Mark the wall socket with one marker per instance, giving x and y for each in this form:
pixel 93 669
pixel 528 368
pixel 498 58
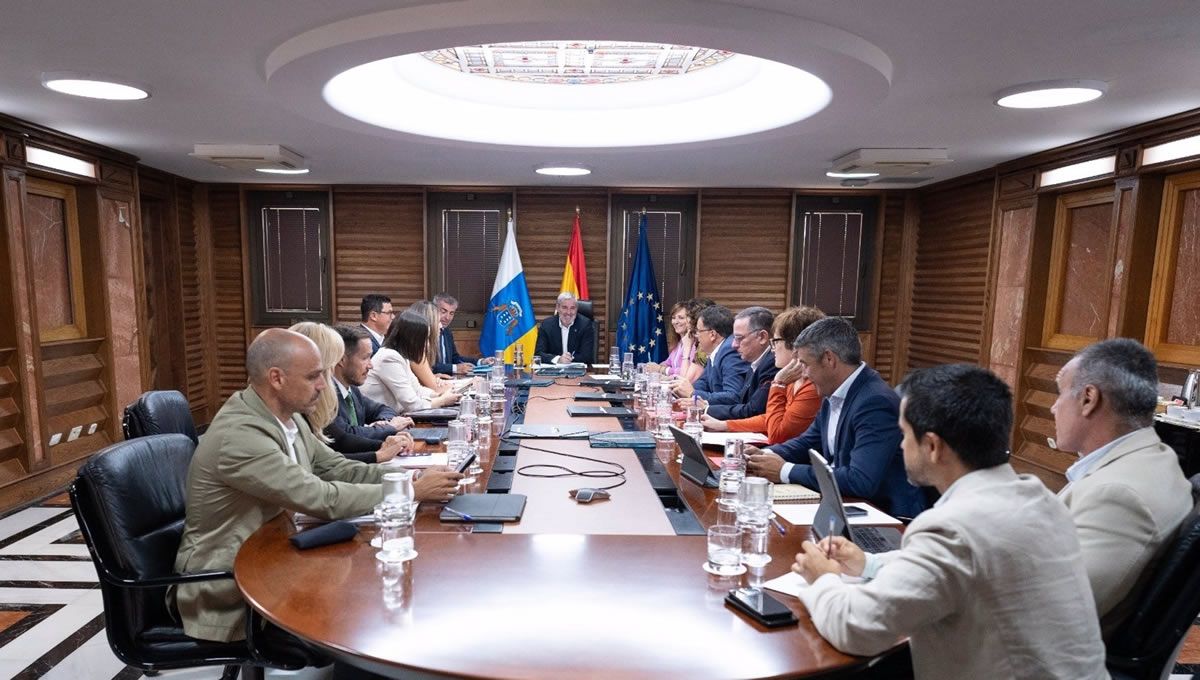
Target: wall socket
pixel 92 428
pixel 55 438
pixel 75 432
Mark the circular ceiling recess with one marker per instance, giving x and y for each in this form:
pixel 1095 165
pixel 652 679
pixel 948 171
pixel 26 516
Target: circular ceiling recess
pixel 577 93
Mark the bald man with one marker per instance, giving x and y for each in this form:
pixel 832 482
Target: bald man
pixel 258 457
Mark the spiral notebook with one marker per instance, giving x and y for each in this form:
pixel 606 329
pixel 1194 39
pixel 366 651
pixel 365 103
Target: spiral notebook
pixel 795 493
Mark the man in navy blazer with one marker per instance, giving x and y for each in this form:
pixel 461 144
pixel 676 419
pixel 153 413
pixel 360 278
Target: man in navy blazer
pixel 726 371
pixel 566 323
pixel 752 341
pixel 448 358
pixel 857 428
pixel 377 314
pixel 359 415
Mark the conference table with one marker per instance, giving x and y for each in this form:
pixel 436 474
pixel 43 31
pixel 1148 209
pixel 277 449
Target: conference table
pixel 600 590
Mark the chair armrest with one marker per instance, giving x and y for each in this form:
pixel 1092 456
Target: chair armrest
pixel 161 581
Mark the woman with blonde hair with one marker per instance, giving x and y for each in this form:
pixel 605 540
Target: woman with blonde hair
pixel 681 331
pixel 323 413
pixel 424 369
pixel 793 401
pixel 392 378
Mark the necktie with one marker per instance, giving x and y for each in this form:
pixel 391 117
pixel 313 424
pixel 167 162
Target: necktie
pixel 352 411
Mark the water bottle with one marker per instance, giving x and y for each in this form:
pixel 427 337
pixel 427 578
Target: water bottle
pixel 614 361
pixel 664 412
pixel 519 357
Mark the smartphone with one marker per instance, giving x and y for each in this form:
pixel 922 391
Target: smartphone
pixel 758 605
pixel 465 463
pixel 854 511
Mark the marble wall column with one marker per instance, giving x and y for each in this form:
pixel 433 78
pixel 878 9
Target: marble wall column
pixel 1011 290
pixel 121 253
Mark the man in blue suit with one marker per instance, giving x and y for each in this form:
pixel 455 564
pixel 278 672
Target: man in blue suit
pixel 857 428
pixel 359 415
pixel 377 315
pixel 726 371
pixel 752 341
pixel 448 358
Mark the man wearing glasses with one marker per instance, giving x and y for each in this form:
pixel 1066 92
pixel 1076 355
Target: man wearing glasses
pixel 377 315
pixel 752 341
pixel 726 371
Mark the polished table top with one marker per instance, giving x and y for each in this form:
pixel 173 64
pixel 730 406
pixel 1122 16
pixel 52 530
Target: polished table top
pixel 534 605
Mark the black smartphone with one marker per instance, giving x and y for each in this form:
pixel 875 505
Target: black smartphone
pixel 465 463
pixel 853 511
pixel 758 605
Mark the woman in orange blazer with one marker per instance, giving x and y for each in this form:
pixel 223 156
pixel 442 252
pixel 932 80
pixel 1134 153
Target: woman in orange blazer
pixel 793 402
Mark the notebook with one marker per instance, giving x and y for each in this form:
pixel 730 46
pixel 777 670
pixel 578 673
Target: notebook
pixel 795 493
pixel 434 414
pixel 484 507
pixel 420 461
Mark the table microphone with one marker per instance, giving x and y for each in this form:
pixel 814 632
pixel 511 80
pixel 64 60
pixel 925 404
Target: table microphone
pixel 588 494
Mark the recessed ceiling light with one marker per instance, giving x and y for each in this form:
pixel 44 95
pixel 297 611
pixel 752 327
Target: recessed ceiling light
pixel 283 171
pixel 92 86
pixel 1050 93
pixel 851 175
pixel 563 171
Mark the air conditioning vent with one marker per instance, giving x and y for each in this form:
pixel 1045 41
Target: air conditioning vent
pixel 250 156
pixel 890 162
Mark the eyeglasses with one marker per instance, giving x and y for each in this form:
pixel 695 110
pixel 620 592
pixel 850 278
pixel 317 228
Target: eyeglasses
pixel 705 330
pixel 775 341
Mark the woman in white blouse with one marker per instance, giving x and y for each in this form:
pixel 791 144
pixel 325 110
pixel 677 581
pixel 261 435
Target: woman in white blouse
pixel 391 379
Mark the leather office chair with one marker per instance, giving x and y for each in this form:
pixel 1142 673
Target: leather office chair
pixel 159 412
pixel 1146 644
pixel 585 309
pixel 130 501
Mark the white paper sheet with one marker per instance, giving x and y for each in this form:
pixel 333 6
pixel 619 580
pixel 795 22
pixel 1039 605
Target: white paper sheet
pixel 603 376
pixel 802 514
pixel 790 583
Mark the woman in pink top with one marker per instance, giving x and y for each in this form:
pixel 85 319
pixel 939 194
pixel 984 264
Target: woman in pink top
pixel 681 361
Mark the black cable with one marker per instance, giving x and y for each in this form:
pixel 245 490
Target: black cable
pixel 565 471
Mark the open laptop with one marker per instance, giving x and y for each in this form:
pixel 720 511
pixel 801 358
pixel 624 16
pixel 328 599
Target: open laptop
pixel 831 513
pixel 696 466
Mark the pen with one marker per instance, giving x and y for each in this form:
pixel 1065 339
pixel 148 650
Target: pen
pixel 463 515
pixel 829 537
pixel 778 525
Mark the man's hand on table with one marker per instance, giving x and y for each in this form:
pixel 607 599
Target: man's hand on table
pixel 761 463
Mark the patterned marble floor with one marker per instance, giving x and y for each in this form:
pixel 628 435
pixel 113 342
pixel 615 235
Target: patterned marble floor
pixel 52 618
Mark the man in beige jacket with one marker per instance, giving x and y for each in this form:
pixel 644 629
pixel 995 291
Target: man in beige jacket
pixel 258 457
pixel 1127 493
pixel 988 582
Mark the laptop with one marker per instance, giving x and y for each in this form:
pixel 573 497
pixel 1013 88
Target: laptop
pixel 831 513
pixel 696 466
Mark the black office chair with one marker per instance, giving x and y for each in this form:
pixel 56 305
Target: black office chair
pixel 585 309
pixel 130 501
pixel 159 412
pixel 1144 647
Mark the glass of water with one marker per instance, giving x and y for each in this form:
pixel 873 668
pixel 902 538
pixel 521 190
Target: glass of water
pixel 753 514
pixel 724 550
pixel 458 445
pixel 397 541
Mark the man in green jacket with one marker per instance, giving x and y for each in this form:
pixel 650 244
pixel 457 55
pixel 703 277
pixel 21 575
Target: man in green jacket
pixel 258 457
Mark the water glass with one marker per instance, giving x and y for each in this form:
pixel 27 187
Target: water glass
pixel 457 445
pixel 753 516
pixel 627 366
pixel 396 532
pixel 693 424
pixel 519 357
pixel 724 550
pixel 483 410
pixel 466 405
pixel 614 361
pixel 398 487
pixel 663 412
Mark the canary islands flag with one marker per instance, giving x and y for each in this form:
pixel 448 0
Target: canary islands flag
pixel 509 320
pixel 640 329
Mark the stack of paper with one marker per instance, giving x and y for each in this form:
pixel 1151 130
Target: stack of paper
pixel 719 438
pixel 802 514
pixel 420 461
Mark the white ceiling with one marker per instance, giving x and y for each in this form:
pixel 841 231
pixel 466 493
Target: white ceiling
pixel 904 74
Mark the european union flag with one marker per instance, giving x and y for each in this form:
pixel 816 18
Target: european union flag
pixel 641 328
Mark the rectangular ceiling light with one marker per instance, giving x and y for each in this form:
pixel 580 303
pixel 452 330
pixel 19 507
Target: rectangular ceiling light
pixel 1171 151
pixel 61 162
pixel 1077 171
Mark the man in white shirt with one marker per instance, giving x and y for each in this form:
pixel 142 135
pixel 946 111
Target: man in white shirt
pixel 989 582
pixel 377 315
pixel 567 336
pixel 1127 493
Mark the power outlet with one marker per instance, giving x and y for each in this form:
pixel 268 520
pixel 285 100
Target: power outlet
pixel 55 438
pixel 92 428
pixel 75 432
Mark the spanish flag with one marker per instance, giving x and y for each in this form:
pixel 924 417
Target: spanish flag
pixel 574 278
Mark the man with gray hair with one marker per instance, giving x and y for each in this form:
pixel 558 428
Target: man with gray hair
pixel 257 458
pixel 448 359
pixel 566 337
pixel 752 341
pixel 1127 493
pixel 857 428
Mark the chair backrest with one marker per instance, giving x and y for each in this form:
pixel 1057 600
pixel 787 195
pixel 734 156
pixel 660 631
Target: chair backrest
pixel 159 412
pixel 1147 642
pixel 585 308
pixel 130 502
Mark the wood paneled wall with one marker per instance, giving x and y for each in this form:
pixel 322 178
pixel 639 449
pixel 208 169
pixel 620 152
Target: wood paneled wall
pixel 951 282
pixel 897 245
pixel 230 318
pixel 744 247
pixel 378 247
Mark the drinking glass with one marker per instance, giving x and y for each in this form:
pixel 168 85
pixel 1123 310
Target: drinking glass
pixel 663 412
pixel 693 424
pixel 483 410
pixel 398 486
pixel 627 366
pixel 457 446
pixel 396 532
pixel 724 550
pixel 614 361
pixel 753 515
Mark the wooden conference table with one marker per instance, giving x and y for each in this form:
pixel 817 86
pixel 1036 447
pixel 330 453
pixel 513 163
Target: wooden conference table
pixel 602 590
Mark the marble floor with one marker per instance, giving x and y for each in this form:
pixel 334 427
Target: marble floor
pixel 52 618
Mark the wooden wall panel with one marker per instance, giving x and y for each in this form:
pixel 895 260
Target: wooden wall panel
pixel 743 249
pixel 229 303
pixel 544 221
pixel 1031 451
pixel 195 294
pixel 378 247
pixel 951 275
pixel 891 295
pixel 12 425
pixel 74 378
